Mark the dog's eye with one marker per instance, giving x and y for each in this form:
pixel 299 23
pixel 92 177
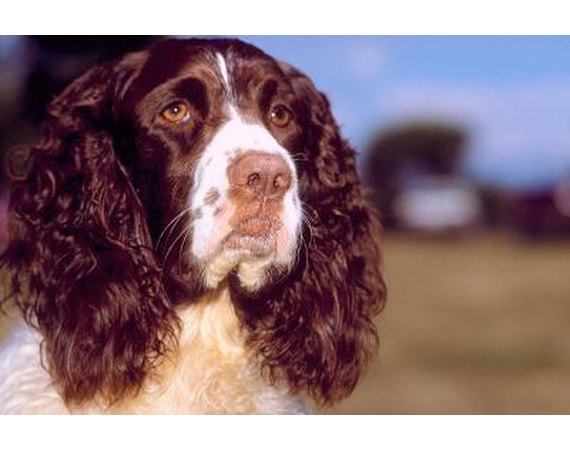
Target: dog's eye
pixel 176 112
pixel 280 116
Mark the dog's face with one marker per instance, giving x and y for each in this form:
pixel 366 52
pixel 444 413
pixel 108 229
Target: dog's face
pixel 214 132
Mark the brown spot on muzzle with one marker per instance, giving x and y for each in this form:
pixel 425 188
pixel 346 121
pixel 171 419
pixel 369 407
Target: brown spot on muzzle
pixel 211 196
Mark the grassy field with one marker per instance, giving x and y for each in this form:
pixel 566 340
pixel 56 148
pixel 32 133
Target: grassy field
pixel 478 324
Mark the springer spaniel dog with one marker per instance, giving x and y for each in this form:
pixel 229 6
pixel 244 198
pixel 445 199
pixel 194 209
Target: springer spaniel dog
pixel 189 235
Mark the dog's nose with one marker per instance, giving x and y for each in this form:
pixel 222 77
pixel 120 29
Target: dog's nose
pixel 260 175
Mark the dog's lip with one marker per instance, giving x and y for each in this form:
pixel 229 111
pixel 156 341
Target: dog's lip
pixel 256 235
pixel 258 226
pixel 253 245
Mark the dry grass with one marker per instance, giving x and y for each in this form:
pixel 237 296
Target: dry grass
pixel 473 325
pixel 479 324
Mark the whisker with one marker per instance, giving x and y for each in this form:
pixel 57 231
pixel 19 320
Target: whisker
pixel 306 209
pixel 171 226
pixel 309 209
pixel 305 219
pixel 182 233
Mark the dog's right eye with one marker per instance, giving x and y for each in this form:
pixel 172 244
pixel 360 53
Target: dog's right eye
pixel 176 112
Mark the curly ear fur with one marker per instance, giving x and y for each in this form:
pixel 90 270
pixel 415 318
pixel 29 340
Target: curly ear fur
pixel 83 270
pixel 315 328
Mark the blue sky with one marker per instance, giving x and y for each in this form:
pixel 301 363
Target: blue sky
pixel 512 94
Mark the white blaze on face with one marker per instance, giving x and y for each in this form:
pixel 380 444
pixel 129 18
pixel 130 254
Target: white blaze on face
pixel 223 68
pixel 209 198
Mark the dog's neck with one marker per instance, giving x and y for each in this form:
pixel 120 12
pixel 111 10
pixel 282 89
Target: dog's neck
pixel 212 370
pixel 212 325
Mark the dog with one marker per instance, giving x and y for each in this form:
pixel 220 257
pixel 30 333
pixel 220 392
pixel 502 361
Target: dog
pixel 190 235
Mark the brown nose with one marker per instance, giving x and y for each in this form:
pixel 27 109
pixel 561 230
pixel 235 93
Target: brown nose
pixel 260 175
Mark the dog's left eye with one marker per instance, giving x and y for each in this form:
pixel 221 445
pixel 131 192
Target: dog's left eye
pixel 280 116
pixel 176 112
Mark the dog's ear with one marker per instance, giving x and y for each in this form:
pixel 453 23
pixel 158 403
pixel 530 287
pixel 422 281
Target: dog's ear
pixel 315 327
pixel 80 254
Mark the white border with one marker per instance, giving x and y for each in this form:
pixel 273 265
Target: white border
pixel 236 17
pixel 286 432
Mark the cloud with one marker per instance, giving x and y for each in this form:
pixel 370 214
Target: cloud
pixel 365 59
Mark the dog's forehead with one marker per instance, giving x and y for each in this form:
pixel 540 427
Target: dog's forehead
pixel 219 63
pixel 165 63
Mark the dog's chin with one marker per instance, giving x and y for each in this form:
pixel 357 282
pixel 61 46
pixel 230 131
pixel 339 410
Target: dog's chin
pixel 250 250
pixel 253 238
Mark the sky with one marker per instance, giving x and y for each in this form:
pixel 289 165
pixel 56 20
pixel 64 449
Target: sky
pixel 511 94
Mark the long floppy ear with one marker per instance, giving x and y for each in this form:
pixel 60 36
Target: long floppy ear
pixel 315 328
pixel 83 268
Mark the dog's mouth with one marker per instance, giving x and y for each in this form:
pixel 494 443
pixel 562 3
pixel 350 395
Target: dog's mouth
pixel 256 236
pixel 251 247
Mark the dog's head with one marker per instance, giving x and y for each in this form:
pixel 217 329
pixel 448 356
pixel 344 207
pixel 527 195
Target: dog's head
pixel 195 165
pixel 210 133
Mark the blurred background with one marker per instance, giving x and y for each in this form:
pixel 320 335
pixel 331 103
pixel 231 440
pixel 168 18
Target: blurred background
pixel 465 144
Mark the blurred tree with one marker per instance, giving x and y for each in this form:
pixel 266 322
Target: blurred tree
pixel 397 155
